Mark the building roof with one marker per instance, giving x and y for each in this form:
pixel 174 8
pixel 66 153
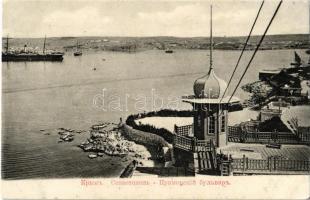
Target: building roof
pixel 195 100
pixel 209 86
pixel 270 71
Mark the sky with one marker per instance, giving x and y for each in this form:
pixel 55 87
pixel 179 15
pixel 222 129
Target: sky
pixel 57 18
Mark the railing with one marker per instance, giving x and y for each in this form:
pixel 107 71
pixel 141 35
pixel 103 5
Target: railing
pixel 183 142
pixel 214 154
pixel 275 111
pixel 194 145
pixel 236 134
pixel 304 134
pixel 183 130
pixel 225 168
pixel 305 137
pixel 202 145
pixel 271 164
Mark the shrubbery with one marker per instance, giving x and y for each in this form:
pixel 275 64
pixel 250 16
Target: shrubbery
pixel 166 134
pixel 275 123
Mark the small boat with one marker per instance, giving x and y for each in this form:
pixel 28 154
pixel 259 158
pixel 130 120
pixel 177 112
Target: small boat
pixel 78 51
pixel 91 156
pixel 168 51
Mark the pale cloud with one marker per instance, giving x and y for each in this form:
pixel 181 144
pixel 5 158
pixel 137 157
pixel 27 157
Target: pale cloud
pixel 37 18
pixel 229 19
pixel 187 20
pixel 87 21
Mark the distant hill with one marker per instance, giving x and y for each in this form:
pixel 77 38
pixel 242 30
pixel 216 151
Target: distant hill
pixel 296 41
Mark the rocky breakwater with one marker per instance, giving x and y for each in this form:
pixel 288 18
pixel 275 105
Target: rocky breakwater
pixel 105 138
pixel 67 134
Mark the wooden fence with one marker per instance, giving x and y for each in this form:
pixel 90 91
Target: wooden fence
pixel 183 130
pixel 270 165
pixel 236 134
pixel 183 142
pixel 192 144
pixel 304 133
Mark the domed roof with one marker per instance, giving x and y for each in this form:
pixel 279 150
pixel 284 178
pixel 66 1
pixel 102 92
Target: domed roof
pixel 209 86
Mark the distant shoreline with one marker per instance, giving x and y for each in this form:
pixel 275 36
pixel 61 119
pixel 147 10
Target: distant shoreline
pixel 137 44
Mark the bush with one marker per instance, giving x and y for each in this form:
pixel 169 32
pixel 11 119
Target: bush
pixel 272 124
pixel 164 133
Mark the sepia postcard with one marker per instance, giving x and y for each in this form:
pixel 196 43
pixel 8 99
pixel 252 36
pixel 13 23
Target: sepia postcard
pixel 138 99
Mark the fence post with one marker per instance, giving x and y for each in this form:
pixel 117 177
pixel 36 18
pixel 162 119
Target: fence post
pixel 175 129
pixel 243 161
pixel 276 136
pixel 194 144
pixel 221 168
pixel 230 165
pixel 269 163
pixel 210 146
pixel 275 163
pixel 173 139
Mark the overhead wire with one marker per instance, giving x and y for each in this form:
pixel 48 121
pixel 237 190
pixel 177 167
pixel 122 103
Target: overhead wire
pixel 256 49
pixel 245 45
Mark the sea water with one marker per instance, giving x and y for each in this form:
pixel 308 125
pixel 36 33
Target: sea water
pixel 97 87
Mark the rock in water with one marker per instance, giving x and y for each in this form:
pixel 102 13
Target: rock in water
pixel 91 156
pixel 100 154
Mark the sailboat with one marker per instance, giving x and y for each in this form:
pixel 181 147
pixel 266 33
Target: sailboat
pixel 167 50
pixel 78 51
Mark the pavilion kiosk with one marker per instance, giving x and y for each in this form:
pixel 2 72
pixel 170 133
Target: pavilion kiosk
pixel 210 109
pixel 197 150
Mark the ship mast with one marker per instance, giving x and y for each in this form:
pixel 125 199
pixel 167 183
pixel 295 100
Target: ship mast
pixel 7 44
pixel 44 44
pixel 211 39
